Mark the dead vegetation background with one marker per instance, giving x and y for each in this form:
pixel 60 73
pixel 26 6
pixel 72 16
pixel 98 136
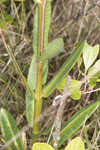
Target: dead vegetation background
pixel 74 21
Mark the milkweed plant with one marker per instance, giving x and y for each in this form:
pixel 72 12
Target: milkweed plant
pixel 37 87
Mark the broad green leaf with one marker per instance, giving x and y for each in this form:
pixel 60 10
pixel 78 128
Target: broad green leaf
pixel 90 54
pixel 9 130
pixel 41 146
pixel 75 144
pixel 35 32
pixel 31 81
pixel 76 94
pixel 54 48
pixel 94 74
pixel 71 126
pixel 66 67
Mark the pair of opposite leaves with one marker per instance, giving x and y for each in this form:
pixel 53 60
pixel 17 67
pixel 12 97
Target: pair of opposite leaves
pixel 75 144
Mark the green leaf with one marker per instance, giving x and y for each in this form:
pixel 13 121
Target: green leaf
pixel 31 81
pixel 35 32
pixel 47 21
pixel 94 80
pixel 89 55
pixel 66 67
pixel 71 126
pixel 75 144
pixel 41 146
pixel 94 69
pixel 32 73
pixel 45 72
pixel 29 108
pixel 94 73
pixel 76 94
pixel 54 48
pixel 10 130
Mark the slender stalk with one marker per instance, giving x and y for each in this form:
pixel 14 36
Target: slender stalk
pixel 38 101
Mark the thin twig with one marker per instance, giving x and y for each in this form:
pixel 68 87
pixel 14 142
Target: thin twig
pixel 59 116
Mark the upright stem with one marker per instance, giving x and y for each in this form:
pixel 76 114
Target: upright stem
pixel 38 101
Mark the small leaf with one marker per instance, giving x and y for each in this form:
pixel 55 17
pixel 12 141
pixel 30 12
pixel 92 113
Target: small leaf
pixel 9 130
pixel 75 144
pixel 92 82
pixel 71 126
pixel 94 74
pixel 41 146
pixel 31 81
pixel 54 48
pixel 74 84
pixel 66 67
pixel 76 94
pixel 89 55
pixel 94 79
pixel 94 69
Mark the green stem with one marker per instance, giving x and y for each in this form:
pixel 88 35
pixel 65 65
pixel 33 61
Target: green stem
pixel 38 100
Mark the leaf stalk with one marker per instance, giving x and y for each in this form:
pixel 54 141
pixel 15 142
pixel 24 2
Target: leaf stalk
pixel 38 100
